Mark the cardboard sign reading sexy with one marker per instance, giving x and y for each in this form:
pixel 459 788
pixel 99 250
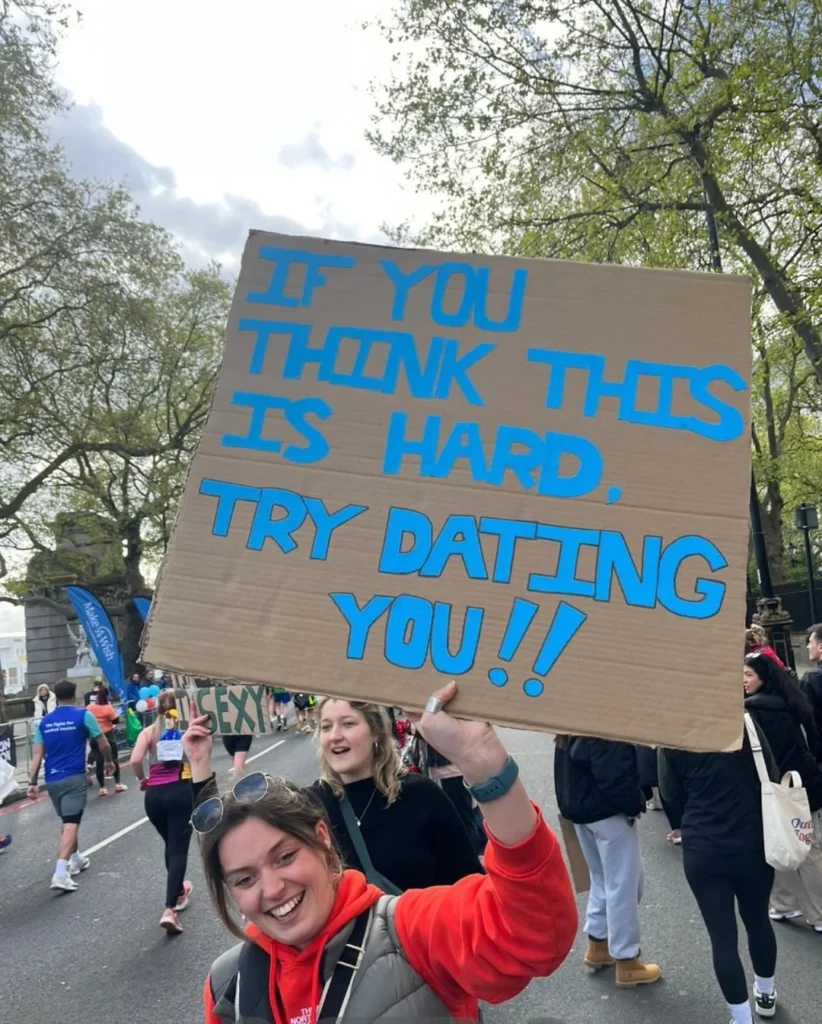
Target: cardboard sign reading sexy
pixel 232 710
pixel 529 476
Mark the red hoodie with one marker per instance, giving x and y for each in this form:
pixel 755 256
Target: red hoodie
pixel 485 937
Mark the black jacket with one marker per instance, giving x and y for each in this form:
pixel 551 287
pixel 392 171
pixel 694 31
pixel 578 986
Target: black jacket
pixel 718 797
pixel 811 686
pixel 646 759
pixel 597 779
pixel 787 741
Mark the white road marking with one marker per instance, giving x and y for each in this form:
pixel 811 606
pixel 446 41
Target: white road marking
pixel 273 746
pixel 136 824
pixel 117 835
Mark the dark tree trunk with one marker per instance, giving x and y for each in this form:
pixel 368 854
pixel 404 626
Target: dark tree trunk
pixel 772 527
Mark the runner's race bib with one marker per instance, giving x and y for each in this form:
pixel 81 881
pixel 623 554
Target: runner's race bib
pixel 170 749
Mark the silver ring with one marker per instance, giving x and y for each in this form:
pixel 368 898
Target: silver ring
pixel 433 705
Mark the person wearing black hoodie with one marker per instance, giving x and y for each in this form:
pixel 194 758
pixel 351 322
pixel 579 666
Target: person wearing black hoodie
pixel 786 718
pixel 597 788
pixel 718 798
pixel 811 684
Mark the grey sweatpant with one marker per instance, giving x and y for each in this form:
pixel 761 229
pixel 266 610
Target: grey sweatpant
pixel 612 853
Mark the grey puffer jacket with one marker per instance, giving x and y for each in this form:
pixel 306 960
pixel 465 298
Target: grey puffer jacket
pixel 386 987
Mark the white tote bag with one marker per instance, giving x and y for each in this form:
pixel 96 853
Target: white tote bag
pixel 7 782
pixel 786 815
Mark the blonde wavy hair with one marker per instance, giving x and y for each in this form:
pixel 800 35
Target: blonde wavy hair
pixel 388 767
pixel 755 636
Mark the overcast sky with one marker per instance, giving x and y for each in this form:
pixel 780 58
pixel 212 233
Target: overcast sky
pixel 225 117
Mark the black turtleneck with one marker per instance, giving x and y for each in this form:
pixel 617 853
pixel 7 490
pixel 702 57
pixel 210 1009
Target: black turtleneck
pixel 417 842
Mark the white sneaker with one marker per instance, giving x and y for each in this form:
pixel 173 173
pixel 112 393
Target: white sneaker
pixel 121 787
pixel 765 1006
pixel 78 863
pixel 182 902
pixel 787 915
pixel 64 882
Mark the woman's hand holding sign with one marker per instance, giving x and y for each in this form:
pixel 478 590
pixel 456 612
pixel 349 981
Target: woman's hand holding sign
pixel 476 749
pixel 197 744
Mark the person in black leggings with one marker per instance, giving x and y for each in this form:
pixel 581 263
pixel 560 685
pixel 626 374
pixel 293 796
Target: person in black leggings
pixel 719 799
pixel 237 747
pixel 168 808
pixel 169 802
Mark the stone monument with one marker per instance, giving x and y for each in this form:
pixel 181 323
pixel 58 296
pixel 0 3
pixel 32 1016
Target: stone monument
pixel 86 667
pixel 56 643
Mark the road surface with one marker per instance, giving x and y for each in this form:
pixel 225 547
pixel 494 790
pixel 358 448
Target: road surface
pixel 99 954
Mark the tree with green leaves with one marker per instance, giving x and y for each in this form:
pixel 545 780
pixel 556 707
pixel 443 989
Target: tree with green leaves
pixel 109 347
pixel 70 252
pixel 164 360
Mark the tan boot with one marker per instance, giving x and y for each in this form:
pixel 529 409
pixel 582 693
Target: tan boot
pixel 630 973
pixel 597 955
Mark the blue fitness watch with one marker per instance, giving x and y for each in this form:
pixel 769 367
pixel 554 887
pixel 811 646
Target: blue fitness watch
pixel 497 786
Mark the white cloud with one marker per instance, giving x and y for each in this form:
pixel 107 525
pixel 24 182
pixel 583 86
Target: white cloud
pixel 256 110
pixel 311 151
pixel 207 230
pixel 12 619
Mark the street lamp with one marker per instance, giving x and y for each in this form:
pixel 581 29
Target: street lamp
pixel 807 519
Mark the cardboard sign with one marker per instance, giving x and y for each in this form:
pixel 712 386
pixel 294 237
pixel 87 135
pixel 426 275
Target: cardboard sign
pixel 577 865
pixel 531 476
pixel 233 710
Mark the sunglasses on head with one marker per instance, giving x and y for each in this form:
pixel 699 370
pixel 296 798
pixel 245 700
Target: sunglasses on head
pixel 248 790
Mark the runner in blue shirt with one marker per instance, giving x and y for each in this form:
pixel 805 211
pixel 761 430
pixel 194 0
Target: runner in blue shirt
pixel 61 736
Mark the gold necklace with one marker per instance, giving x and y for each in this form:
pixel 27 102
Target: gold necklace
pixel 359 820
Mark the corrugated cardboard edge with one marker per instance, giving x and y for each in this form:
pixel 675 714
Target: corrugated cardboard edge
pixel 580 875
pixel 315 240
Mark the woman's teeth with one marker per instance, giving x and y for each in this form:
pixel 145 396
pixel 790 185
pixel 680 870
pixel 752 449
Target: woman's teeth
pixel 285 909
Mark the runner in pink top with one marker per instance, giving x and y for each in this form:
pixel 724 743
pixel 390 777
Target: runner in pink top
pixel 168 801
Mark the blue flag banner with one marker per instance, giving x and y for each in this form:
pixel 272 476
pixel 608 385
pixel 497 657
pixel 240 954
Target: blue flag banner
pixel 101 636
pixel 142 604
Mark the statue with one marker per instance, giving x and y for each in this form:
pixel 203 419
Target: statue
pixel 83 652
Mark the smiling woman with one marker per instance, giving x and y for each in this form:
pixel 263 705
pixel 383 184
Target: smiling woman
pixel 283 835
pixel 321 942
pixel 412 833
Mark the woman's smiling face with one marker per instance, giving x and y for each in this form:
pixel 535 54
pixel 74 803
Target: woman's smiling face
pixel 346 741
pixel 278 883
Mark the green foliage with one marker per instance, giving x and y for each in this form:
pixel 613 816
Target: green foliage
pixel 109 347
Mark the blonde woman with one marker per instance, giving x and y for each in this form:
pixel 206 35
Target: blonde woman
pixel 44 703
pixel 169 801
pixel 412 833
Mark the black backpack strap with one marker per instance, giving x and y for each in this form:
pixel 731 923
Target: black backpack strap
pixel 372 875
pixel 338 990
